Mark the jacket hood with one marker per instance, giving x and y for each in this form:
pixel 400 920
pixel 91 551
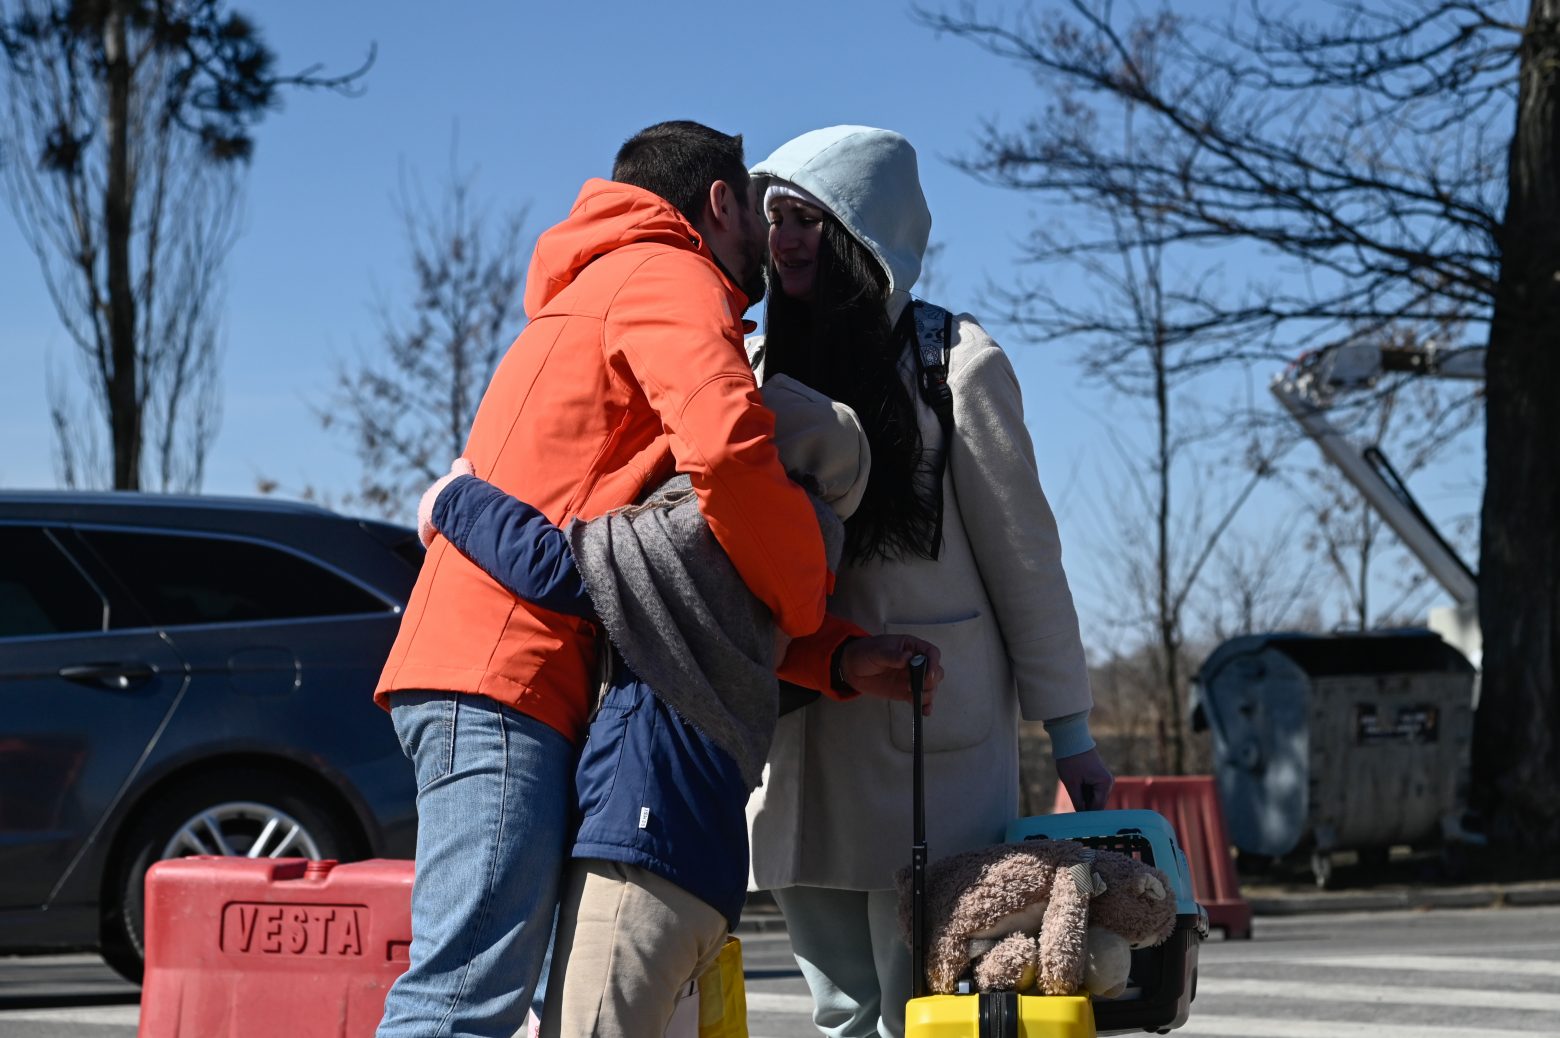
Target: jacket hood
pixel 606 215
pixel 822 439
pixel 869 180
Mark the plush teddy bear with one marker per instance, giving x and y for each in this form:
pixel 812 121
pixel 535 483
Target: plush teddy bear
pixel 1048 914
pixel 1107 962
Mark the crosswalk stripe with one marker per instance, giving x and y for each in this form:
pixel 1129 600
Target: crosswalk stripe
pixel 1441 963
pixel 777 1002
pixel 92 1015
pixel 1379 994
pixel 1212 1026
pixel 1375 994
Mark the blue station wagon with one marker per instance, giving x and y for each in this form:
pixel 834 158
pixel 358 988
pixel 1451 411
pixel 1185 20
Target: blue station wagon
pixel 187 675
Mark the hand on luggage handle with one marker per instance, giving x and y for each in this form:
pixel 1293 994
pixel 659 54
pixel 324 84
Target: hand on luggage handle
pixel 876 666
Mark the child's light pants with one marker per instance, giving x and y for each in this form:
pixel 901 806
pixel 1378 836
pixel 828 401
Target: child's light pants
pixel 628 941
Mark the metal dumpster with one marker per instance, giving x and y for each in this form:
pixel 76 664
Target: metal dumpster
pixel 1338 742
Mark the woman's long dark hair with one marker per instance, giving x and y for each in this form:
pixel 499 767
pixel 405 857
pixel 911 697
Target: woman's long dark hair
pixel 842 345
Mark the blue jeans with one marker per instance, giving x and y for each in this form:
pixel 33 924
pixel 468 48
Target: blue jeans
pixel 494 789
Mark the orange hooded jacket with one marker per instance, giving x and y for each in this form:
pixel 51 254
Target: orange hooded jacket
pixel 632 366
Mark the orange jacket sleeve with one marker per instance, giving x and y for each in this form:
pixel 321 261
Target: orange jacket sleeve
pixel 807 659
pixel 671 322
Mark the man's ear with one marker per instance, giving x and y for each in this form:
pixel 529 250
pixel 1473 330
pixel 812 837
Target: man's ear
pixel 720 210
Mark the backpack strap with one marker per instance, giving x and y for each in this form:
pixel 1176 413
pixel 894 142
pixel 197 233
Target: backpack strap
pixel 933 330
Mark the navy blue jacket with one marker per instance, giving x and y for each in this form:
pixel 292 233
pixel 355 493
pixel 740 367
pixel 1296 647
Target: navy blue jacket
pixel 653 790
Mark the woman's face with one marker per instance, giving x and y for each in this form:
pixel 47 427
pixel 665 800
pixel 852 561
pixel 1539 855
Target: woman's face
pixel 795 229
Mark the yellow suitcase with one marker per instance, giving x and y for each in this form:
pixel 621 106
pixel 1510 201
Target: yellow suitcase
pixel 998 1014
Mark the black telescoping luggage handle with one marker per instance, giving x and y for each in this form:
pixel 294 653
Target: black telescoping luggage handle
pixel 918 840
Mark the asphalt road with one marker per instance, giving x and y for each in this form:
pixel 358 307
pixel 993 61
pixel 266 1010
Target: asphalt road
pixel 1489 973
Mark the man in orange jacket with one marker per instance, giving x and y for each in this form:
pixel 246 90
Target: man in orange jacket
pixel 631 367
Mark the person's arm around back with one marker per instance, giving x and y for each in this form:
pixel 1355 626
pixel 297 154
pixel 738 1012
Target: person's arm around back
pixel 508 539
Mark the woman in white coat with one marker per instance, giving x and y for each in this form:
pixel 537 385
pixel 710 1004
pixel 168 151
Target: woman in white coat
pixel 831 824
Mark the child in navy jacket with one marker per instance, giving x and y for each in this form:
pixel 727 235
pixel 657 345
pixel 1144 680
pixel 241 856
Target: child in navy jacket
pixel 660 862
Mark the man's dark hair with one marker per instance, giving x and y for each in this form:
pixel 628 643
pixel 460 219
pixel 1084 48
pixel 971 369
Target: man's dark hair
pixel 679 160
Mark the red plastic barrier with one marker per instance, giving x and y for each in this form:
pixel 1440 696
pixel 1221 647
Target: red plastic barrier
pixel 1191 803
pixel 259 948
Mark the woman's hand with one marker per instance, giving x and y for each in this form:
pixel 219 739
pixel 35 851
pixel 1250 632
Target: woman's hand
pixel 1087 779
pixel 425 527
pixel 879 666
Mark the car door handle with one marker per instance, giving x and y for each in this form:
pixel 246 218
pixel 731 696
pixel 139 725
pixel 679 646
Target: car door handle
pixel 116 676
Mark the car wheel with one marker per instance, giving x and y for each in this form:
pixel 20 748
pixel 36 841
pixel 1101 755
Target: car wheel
pixel 249 813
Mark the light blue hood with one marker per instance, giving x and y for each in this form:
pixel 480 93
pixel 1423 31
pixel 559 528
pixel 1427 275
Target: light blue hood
pixel 868 178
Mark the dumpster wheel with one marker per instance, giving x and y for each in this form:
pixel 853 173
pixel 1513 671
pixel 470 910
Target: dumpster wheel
pixel 1322 868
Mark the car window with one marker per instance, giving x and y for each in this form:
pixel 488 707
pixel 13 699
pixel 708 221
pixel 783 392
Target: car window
pixel 401 540
pixel 41 591
pixel 180 579
pixel 410 551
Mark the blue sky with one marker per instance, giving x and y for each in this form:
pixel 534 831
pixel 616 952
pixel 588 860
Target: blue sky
pixel 542 95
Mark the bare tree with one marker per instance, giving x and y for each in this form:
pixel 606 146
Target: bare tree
pixel 1163 529
pixel 126 126
pixel 1345 533
pixel 408 406
pixel 178 301
pixel 1403 160
pixel 1258 584
pixel 1142 333
pixel 1516 751
pixel 1368 152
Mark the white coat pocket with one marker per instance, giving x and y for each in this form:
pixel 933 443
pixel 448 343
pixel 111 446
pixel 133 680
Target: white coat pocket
pixel 963 708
